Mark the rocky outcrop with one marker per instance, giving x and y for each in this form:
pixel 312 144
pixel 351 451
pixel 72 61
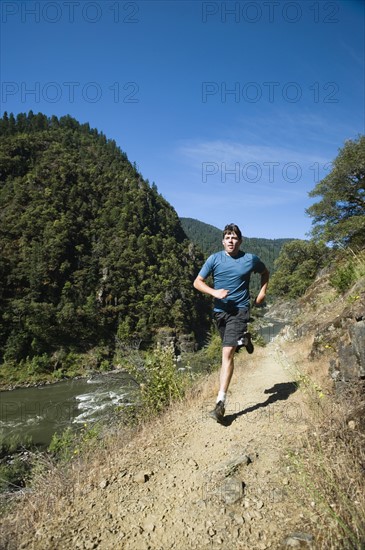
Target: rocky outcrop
pixel 337 325
pixel 186 343
pixel 182 342
pixel 283 311
pixel 350 361
pixel 345 334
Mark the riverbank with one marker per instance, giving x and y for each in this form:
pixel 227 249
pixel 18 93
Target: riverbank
pixel 37 373
pixel 184 481
pixel 13 377
pixel 47 380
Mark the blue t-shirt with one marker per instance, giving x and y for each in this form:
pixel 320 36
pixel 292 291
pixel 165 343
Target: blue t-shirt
pixel 233 274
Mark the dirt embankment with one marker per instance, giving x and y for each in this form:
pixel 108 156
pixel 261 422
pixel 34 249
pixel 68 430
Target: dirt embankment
pixel 186 482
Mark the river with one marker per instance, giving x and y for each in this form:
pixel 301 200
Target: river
pixel 41 411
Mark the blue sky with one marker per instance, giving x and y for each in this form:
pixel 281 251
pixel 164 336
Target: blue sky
pixel 234 109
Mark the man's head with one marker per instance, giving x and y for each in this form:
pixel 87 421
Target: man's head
pixel 232 228
pixel 232 239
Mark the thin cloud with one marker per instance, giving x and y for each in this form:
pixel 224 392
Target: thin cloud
pixel 223 197
pixel 231 152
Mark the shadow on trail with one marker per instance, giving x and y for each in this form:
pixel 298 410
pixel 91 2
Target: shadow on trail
pixel 279 392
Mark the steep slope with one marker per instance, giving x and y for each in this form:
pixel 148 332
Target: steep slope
pixel 188 482
pixel 91 254
pixel 286 469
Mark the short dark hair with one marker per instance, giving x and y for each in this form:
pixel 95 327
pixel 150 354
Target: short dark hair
pixel 232 228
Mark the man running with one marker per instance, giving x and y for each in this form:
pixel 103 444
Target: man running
pixel 231 269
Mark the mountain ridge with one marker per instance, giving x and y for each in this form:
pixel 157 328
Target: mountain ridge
pixel 92 255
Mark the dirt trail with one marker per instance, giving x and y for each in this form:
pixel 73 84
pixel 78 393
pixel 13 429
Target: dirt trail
pixel 187 482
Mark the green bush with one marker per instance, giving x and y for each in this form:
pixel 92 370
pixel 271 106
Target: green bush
pixel 159 380
pixel 62 445
pixel 14 474
pixel 70 443
pixel 15 465
pixel 39 364
pixel 343 277
pixel 14 443
pixel 213 349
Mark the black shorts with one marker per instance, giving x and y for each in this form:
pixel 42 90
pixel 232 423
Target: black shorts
pixel 231 326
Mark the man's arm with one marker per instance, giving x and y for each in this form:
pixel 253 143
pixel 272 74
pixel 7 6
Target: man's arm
pixel 201 285
pixel 265 275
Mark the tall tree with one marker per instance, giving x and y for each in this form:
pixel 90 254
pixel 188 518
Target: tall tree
pixel 339 216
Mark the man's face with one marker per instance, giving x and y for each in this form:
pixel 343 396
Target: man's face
pixel 231 244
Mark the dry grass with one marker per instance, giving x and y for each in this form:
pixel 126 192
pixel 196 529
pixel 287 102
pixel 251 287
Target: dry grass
pixel 331 469
pixel 330 464
pixel 53 485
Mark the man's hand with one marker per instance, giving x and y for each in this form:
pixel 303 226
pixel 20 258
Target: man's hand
pixel 220 293
pixel 201 285
pixel 260 298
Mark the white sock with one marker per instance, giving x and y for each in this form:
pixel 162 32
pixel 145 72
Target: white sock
pixel 221 396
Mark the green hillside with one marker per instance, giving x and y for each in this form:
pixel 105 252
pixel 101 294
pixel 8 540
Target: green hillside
pixel 91 254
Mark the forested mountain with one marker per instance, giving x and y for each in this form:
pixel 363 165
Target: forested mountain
pixel 209 239
pixel 90 253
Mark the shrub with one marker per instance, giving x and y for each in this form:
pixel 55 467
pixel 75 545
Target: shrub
pixel 158 379
pixel 70 443
pixel 15 462
pixel 350 269
pixel 63 445
pixel 14 443
pixel 343 277
pixel 39 364
pixel 213 349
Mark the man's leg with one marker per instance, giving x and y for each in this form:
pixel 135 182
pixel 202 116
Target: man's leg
pixel 227 367
pixel 225 377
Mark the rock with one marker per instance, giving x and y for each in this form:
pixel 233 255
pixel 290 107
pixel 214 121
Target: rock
pixel 240 520
pixel 252 457
pixel 295 540
pixel 228 468
pixel 283 310
pixel 186 343
pixel 356 418
pixel 357 333
pixel 292 543
pixel 231 490
pixel 344 334
pixel 193 463
pixel 149 524
pixel 104 484
pixel 141 477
